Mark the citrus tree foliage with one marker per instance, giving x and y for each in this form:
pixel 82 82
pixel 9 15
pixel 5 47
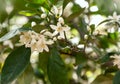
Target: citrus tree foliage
pixel 59 42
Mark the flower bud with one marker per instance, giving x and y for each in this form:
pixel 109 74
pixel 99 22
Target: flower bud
pixel 43 15
pixel 86 36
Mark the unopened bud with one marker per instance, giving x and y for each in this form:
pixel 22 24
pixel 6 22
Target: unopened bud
pixel 43 15
pixel 61 20
pixel 85 36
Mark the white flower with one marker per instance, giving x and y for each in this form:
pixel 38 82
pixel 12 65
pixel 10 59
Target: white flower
pixel 59 29
pixel 114 17
pixel 116 60
pixel 26 38
pixel 57 11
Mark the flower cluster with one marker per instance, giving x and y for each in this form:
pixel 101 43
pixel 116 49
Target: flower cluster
pixel 116 60
pixel 37 42
pixel 61 29
pixel 40 41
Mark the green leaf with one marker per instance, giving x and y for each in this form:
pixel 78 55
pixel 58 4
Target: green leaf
pixel 116 79
pixel 103 79
pixel 15 64
pixel 57 72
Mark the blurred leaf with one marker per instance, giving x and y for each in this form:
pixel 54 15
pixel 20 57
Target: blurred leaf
pixel 27 13
pixel 38 28
pixel 54 1
pixel 19 5
pixel 43 3
pixel 27 76
pixel 75 14
pixel 3 16
pixel 57 72
pixel 43 61
pixel 79 69
pixel 113 37
pixel 32 5
pixel 104 8
pixel 15 64
pixel 116 79
pixel 36 1
pixel 82 29
pixel 103 42
pixel 80 58
pixel 3 13
pixel 103 79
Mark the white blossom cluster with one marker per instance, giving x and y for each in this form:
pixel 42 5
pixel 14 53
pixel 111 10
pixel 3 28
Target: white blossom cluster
pixel 116 60
pixel 111 26
pixel 40 41
pixel 36 41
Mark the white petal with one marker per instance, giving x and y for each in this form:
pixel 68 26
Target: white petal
pixel 48 34
pixel 53 27
pixel 49 42
pixel 55 10
pixel 61 20
pixel 54 33
pixel 46 48
pixel 40 49
pixel 62 34
pixel 60 10
pixel 59 24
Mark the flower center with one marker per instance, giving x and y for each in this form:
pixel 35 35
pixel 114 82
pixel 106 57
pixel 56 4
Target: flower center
pixel 59 29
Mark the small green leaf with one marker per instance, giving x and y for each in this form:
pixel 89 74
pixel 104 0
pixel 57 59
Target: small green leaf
pixel 57 72
pixel 15 64
pixel 27 13
pixel 116 79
